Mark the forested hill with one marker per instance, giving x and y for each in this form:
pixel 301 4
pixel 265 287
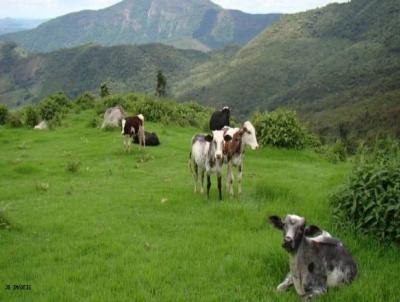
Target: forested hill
pixel 189 24
pixel 29 77
pixel 338 64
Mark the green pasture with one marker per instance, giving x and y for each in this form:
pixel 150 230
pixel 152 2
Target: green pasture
pixel 127 227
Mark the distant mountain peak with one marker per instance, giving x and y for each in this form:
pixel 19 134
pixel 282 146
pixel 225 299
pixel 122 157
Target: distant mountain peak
pixel 191 24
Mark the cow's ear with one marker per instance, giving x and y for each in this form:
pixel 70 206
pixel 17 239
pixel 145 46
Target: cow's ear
pixel 312 231
pixel 209 138
pixel 276 222
pixel 227 138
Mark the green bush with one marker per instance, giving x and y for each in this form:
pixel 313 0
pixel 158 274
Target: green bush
pixel 3 114
pixel 31 116
pixel 14 119
pixel 280 128
pixel 337 152
pixel 370 200
pixel 53 106
pixel 85 101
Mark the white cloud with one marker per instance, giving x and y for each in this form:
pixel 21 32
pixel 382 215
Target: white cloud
pixel 52 8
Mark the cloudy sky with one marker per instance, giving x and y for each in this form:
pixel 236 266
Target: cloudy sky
pixel 52 8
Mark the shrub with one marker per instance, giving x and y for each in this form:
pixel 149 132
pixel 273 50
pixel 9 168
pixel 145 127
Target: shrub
pixel 158 110
pixel 53 106
pixel 370 200
pixel 85 101
pixel 337 152
pixel 3 114
pixel 280 128
pixel 14 119
pixel 31 117
pixel 73 166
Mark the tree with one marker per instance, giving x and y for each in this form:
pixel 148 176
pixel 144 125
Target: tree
pixel 161 90
pixel 3 114
pixel 104 91
pixel 31 117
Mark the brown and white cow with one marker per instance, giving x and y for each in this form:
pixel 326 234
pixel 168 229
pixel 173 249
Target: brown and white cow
pixel 234 151
pixel 133 126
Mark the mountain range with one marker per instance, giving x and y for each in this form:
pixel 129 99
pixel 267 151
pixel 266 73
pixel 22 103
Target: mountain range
pixel 188 24
pixel 338 65
pixel 9 25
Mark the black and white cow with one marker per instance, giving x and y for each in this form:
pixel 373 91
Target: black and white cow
pixel 207 157
pixel 316 259
pixel 133 126
pixel 220 119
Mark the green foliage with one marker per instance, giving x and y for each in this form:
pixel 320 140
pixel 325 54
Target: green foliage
pixel 51 107
pixel 280 128
pixel 158 110
pixel 14 119
pixel 85 101
pixel 104 90
pixel 3 114
pixel 369 201
pixel 335 153
pixel 31 116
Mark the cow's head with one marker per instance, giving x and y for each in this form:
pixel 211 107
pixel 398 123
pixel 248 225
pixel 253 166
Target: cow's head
pixel 294 229
pixel 249 135
pixel 216 141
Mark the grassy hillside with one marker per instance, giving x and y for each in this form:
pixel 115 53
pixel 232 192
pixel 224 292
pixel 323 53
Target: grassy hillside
pixel 128 227
pixel 194 24
pixel 335 65
pixel 31 77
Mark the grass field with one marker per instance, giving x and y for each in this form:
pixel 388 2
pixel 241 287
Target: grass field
pixel 127 227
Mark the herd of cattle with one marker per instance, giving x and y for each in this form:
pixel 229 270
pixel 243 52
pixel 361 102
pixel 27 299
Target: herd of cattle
pixel 317 260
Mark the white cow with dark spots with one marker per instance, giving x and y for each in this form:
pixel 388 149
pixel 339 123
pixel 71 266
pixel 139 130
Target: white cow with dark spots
pixel 317 260
pixel 207 157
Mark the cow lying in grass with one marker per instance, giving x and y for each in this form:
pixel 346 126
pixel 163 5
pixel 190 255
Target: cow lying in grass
pixel 316 259
pixel 234 151
pixel 207 157
pixel 133 126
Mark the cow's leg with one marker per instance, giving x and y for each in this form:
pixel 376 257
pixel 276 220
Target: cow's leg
pixel 219 185
pixel 229 179
pixel 208 185
pixel 286 283
pixel 202 182
pixel 129 142
pixel 144 137
pixel 195 173
pixel 239 180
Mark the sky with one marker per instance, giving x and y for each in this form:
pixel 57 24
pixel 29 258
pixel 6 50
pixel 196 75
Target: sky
pixel 38 9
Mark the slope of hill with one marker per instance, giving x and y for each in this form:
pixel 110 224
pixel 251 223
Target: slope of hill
pixel 338 64
pixel 29 77
pixel 127 227
pixel 194 24
pixel 9 25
